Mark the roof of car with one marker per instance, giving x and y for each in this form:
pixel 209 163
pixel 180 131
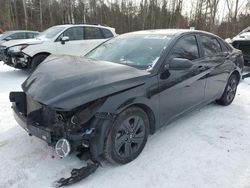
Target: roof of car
pixel 17 31
pixel 169 31
pixel 91 25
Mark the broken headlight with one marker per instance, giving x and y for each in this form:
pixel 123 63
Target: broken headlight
pixel 77 118
pixel 81 117
pixel 18 48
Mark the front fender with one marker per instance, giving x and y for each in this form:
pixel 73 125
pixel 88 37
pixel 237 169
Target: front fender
pixel 32 50
pixel 102 127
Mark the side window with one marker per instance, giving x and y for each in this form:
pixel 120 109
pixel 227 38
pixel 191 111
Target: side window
pixel 30 35
pixel 107 33
pixel 210 45
pixel 17 36
pixel 186 48
pixel 93 33
pixel 74 33
pixel 224 48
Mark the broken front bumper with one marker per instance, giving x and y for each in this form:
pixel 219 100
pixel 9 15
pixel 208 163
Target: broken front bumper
pixel 44 134
pixel 14 59
pixel 76 174
pixel 21 104
pixel 28 115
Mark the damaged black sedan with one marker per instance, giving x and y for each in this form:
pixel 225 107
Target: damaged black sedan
pixel 108 102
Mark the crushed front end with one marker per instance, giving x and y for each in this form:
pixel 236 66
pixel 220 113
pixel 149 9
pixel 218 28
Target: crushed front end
pixel 14 57
pixel 66 131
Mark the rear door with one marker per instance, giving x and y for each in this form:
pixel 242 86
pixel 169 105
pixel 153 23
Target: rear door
pixel 93 36
pixel 181 90
pixel 217 61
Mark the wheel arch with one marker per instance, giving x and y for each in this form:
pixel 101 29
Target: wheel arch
pixel 97 143
pixel 147 110
pixel 36 55
pixel 41 53
pixel 236 72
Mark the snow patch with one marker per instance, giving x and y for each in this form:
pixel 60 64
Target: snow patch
pixel 208 148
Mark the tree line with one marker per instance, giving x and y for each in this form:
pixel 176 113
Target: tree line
pixel 128 15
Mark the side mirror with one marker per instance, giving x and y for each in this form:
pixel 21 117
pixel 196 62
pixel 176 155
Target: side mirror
pixel 64 39
pixel 8 38
pixel 179 64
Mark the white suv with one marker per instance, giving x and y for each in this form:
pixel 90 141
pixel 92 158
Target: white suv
pixel 60 40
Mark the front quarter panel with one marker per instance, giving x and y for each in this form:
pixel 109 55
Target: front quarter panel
pixel 46 46
pixel 144 94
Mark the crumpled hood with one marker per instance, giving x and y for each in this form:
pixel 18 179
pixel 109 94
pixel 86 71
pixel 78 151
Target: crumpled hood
pixel 66 82
pixel 24 41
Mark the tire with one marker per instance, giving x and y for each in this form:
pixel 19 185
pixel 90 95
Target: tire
pixel 229 92
pixel 37 60
pixel 126 139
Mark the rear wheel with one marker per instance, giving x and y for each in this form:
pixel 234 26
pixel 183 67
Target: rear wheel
pixel 230 91
pixel 127 136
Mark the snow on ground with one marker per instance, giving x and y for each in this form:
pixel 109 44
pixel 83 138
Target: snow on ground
pixel 209 148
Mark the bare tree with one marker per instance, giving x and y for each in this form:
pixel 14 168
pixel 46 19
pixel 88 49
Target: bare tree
pixel 41 14
pixel 126 15
pixel 25 14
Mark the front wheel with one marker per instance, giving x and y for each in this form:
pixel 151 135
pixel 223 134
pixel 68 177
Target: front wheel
pixel 127 136
pixel 230 91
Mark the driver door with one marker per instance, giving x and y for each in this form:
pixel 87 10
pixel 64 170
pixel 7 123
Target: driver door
pixel 184 88
pixel 74 45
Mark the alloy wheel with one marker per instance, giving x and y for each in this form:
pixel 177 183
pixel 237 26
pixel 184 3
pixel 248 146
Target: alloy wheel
pixel 130 136
pixel 231 89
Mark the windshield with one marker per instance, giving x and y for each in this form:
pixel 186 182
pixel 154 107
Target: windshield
pixel 139 50
pixel 51 32
pixel 5 34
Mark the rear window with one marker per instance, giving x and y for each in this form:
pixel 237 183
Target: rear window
pixel 93 33
pixel 31 35
pixel 107 33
